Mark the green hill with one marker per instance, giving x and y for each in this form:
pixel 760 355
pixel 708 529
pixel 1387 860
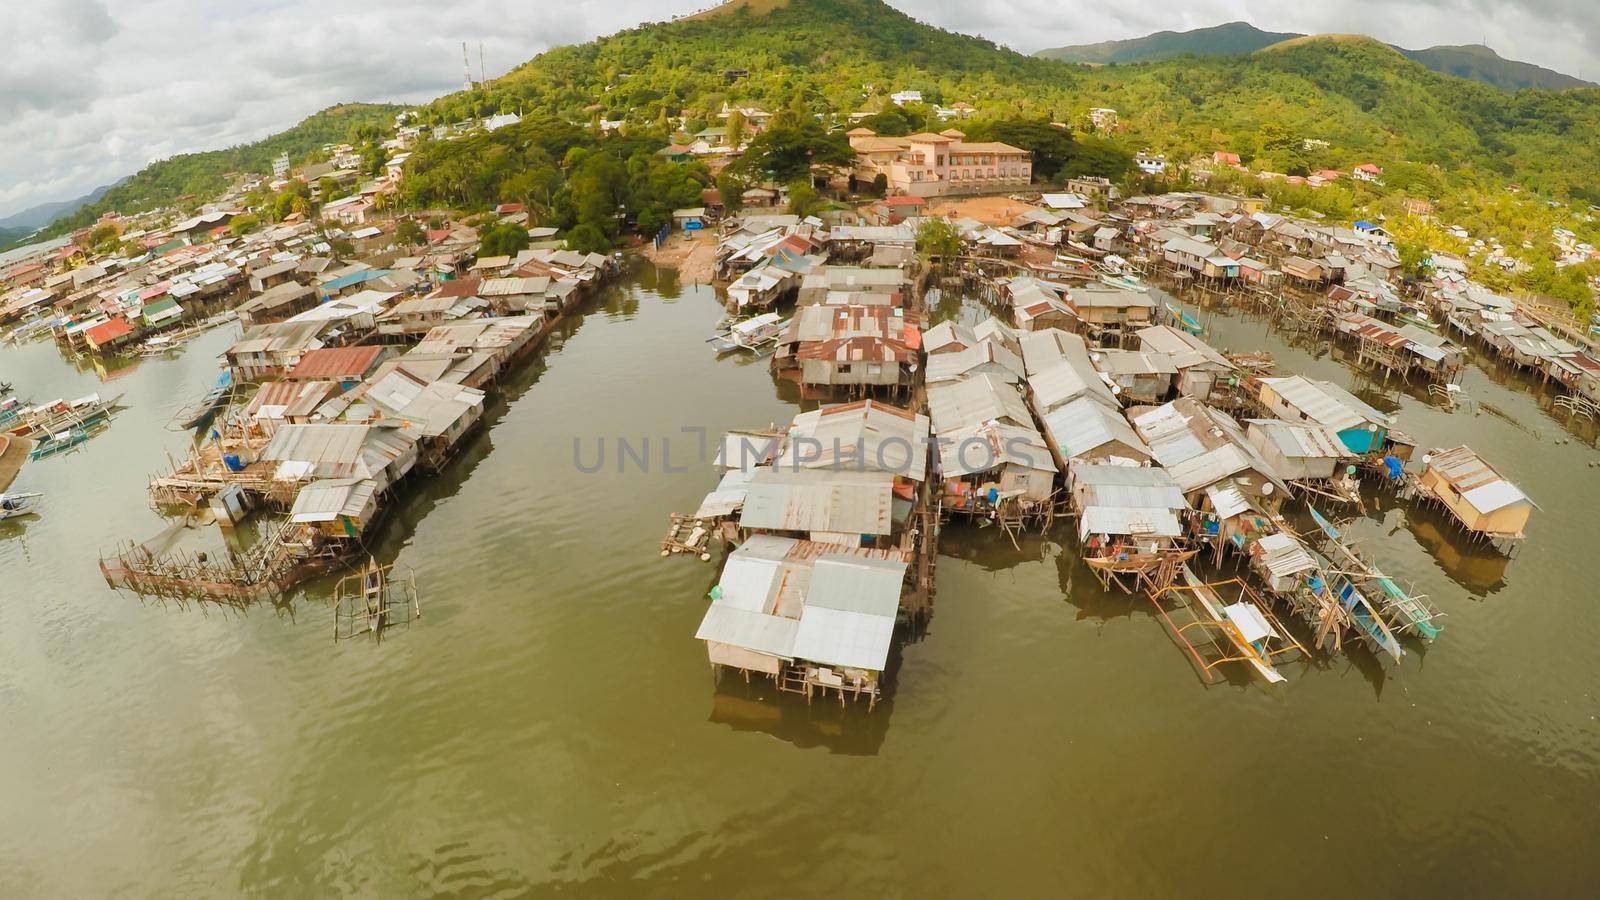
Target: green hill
pixel 1479 63
pixel 1473 62
pixel 207 173
pixel 1231 39
pixel 833 57
pixel 1364 98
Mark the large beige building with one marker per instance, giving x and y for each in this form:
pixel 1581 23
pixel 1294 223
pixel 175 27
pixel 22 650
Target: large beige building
pixel 932 165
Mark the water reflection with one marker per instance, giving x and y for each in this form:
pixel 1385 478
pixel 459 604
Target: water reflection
pixel 841 727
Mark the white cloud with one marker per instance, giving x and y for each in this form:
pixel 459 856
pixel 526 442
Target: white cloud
pixel 92 90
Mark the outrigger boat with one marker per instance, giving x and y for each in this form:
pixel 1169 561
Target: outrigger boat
pixel 201 414
pixel 1403 612
pixel 1114 270
pixel 1177 318
pixel 10 409
pixel 1242 631
pixel 21 504
pixel 758 334
pixel 1363 616
pixel 57 415
pixel 62 441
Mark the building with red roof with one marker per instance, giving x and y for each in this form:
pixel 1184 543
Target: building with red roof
pixel 342 364
pixel 108 334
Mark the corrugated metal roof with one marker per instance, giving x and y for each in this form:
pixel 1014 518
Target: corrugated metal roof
pixel 347 363
pixel 761 632
pixel 990 356
pixel 1185 350
pixel 856 584
pixel 819 500
pixel 1479 483
pixel 989 446
pixel 327 500
pixel 750 582
pixel 1226 500
pixel 866 434
pixel 1128 521
pixel 1085 424
pixel 1283 555
pixel 841 638
pixel 981 398
pixel 1064 382
pixel 1298 440
pixel 1311 401
pixel 1134 362
pixel 1129 486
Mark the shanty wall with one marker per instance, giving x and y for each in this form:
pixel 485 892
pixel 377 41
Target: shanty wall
pixel 740 658
pixel 1509 520
pixel 825 371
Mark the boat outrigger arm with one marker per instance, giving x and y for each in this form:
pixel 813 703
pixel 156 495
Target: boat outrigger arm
pixel 1243 631
pixel 1402 611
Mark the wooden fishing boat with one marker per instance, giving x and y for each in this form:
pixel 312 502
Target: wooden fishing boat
pixel 1181 320
pixel 1402 611
pixel 758 334
pixel 62 441
pixel 20 504
pixel 1243 630
pixel 59 415
pixel 1364 618
pixel 201 414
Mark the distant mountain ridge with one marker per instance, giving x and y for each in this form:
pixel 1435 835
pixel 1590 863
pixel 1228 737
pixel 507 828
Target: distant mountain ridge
pixel 44 213
pixel 1472 61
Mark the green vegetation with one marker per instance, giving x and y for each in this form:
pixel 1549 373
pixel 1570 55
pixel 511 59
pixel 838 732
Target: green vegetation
pixel 503 240
pixel 938 239
pixel 203 175
pixel 1472 61
pixel 1301 106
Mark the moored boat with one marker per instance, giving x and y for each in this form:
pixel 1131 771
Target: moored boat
pixel 203 412
pixel 19 504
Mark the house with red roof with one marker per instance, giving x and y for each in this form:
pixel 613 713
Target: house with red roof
pixel 111 333
pixel 346 365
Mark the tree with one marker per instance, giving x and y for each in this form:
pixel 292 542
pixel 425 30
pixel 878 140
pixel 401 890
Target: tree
pixel 588 238
pixel 731 185
pixel 409 232
pixel 792 145
pixel 803 199
pixel 503 240
pixel 938 239
pixel 103 237
pixel 242 225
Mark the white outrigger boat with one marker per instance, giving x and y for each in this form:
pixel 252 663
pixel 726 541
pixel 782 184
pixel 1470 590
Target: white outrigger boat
pixel 1244 630
pixel 22 504
pixel 758 334
pixel 1115 271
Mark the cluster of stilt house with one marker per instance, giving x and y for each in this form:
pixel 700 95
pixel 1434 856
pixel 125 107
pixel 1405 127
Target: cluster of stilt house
pixel 330 410
pixel 1079 398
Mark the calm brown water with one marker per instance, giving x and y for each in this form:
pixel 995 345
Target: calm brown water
pixel 550 723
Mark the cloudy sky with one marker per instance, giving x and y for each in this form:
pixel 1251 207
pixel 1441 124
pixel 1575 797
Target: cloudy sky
pixel 91 90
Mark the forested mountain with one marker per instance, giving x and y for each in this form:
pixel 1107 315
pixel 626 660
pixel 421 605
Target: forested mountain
pixel 836 56
pixel 45 213
pixel 207 173
pixel 1230 39
pixel 1479 63
pixel 1472 61
pixel 819 60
